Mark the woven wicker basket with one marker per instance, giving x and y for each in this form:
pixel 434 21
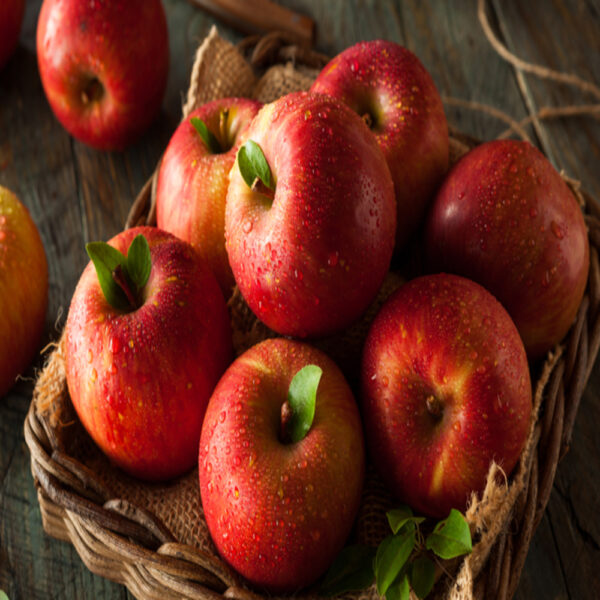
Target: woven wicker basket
pixel 153 537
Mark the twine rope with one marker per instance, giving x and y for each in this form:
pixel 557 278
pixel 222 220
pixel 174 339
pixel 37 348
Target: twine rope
pixel 538 70
pixel 541 71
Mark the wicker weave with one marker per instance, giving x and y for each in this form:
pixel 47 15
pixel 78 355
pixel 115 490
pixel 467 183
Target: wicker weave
pixel 153 538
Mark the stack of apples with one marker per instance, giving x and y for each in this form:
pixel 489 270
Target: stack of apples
pixel 304 204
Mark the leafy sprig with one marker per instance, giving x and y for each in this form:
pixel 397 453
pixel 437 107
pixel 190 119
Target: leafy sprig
pixel 121 277
pixel 403 561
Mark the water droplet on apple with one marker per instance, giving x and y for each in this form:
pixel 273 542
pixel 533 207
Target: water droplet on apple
pixel 332 259
pixel 114 345
pixel 385 381
pixel 93 376
pixel 309 488
pixel 556 230
pixel 546 278
pixel 498 404
pixel 237 461
pixel 113 368
pixel 247 226
pixel 90 356
pixel 456 426
pixel 222 416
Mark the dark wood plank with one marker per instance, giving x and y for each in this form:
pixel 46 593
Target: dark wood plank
pixel 542 575
pixel 460 60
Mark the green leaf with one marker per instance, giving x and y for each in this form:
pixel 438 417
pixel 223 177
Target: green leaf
pixel 400 590
pixel 352 570
pixel 139 262
pixel 450 537
pixel 3 595
pixel 398 517
pixel 106 259
pixel 209 139
pixel 302 396
pixel 392 557
pixel 252 164
pixel 422 576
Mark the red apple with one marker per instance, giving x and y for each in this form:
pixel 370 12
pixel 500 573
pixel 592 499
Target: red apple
pixel 390 88
pixel 23 288
pixel 11 17
pixel 193 180
pixel 445 390
pixel 310 255
pixel 280 511
pixel 505 218
pixel 140 377
pixel 103 67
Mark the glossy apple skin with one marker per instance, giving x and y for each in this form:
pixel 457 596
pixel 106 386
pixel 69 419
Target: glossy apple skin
pixel 280 513
pixel 446 337
pixel 11 18
pixel 390 84
pixel 505 218
pixel 123 44
pixel 23 288
pixel 192 182
pixel 309 263
pixel 140 381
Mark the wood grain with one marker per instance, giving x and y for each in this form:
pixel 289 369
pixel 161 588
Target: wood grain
pixel 76 194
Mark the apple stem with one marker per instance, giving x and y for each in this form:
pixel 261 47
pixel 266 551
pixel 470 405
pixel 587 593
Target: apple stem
pixel 120 278
pixel 285 435
pixel 368 119
pixel 92 92
pixel 434 406
pixel 223 116
pixel 261 188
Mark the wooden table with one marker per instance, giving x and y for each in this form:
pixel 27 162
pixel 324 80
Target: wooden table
pixel 76 194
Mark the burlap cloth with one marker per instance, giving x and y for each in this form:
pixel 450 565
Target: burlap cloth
pixel 220 71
